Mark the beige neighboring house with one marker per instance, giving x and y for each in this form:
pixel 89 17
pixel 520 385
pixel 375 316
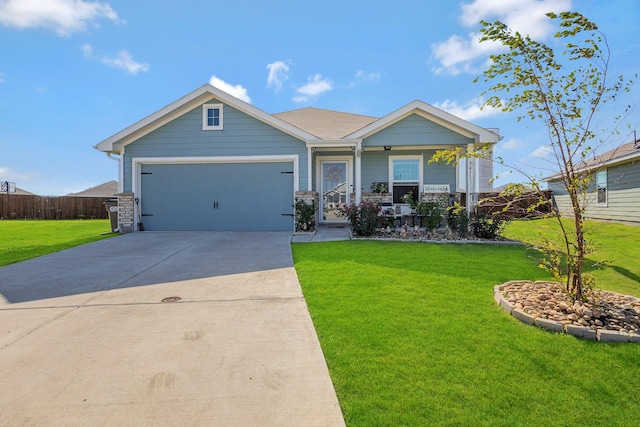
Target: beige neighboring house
pixel 108 189
pixel 23 192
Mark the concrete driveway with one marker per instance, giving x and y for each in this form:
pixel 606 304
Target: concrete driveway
pixel 85 338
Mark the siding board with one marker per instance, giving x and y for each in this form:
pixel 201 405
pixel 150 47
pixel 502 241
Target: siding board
pixel 242 135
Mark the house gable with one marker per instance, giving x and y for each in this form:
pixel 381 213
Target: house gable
pixel 204 94
pixel 432 114
pixel 416 130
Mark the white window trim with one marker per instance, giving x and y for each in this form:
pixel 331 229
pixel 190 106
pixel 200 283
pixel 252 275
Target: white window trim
pixel 606 188
pixel 408 157
pixel 205 110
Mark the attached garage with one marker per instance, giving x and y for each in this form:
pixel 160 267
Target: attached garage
pixel 256 195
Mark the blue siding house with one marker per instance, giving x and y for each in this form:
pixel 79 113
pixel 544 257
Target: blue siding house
pixel 615 186
pixel 210 161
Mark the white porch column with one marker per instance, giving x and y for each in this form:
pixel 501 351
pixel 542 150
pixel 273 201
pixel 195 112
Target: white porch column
pixel 470 178
pixel 310 169
pixel 358 169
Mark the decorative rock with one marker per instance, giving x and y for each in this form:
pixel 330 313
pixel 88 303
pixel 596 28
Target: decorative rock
pixel 546 304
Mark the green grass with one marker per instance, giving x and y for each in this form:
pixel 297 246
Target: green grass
pixel 615 246
pixel 412 336
pixel 22 240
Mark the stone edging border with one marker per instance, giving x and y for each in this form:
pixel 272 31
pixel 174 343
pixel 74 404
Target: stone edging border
pixel 443 241
pixel 602 335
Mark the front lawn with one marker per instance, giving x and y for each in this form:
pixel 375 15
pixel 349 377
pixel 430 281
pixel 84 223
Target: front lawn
pixel 412 336
pixel 21 240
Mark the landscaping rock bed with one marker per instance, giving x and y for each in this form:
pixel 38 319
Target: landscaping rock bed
pixel 607 316
pixel 421 234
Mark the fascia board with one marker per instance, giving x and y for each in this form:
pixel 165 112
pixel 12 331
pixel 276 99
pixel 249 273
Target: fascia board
pixel 204 93
pixel 607 163
pixel 433 114
pixel 321 143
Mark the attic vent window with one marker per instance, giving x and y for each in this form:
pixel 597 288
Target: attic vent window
pixel 212 117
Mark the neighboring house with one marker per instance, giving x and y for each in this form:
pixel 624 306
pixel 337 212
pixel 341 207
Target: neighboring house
pixel 108 189
pixel 210 161
pixel 615 192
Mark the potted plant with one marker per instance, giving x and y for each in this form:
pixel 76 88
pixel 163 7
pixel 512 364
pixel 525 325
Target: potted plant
pixel 409 200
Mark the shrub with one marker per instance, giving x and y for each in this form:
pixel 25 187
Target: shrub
pixel 305 215
pixel 433 211
pixel 457 219
pixel 364 218
pixel 486 226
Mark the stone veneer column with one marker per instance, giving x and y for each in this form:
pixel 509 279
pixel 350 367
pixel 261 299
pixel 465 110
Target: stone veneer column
pixel 125 212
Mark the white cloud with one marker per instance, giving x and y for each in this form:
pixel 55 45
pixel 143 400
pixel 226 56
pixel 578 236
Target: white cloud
pixel 278 74
pixel 238 91
pixel 542 152
pixel 466 54
pixel 315 86
pixel 512 144
pixel 8 174
pixel 64 17
pixel 368 77
pixel 361 77
pixel 470 110
pixel 123 61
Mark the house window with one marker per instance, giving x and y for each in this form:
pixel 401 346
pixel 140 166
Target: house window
pixel 212 117
pixel 601 188
pixel 405 176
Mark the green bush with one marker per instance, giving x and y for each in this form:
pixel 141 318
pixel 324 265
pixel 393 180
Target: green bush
pixel 433 211
pixel 364 218
pixel 486 226
pixel 457 219
pixel 305 215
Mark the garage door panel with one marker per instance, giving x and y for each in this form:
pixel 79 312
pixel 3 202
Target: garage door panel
pixel 218 196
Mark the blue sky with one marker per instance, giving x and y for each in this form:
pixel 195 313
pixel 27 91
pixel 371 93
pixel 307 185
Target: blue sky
pixel 74 72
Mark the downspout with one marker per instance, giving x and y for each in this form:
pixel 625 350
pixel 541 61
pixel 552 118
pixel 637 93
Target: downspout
pixel 119 160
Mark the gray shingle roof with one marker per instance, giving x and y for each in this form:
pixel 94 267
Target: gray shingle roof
pixel 325 124
pixel 107 189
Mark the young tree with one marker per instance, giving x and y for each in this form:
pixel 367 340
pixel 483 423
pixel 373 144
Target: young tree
pixel 565 91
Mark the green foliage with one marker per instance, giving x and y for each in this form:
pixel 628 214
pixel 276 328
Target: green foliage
pixel 379 187
pixel 305 215
pixel 364 217
pixel 410 199
pixel 566 94
pixel 388 217
pixel 21 240
pixel 433 211
pixel 457 219
pixel 487 226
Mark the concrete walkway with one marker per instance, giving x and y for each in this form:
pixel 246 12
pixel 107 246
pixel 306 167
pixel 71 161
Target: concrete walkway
pixel 87 340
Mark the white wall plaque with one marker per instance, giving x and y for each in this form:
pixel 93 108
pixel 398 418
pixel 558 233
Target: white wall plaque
pixel 436 188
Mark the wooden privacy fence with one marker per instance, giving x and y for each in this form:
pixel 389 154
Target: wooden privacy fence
pixel 23 206
pixel 515 206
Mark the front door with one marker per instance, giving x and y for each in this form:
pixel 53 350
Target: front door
pixel 335 185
